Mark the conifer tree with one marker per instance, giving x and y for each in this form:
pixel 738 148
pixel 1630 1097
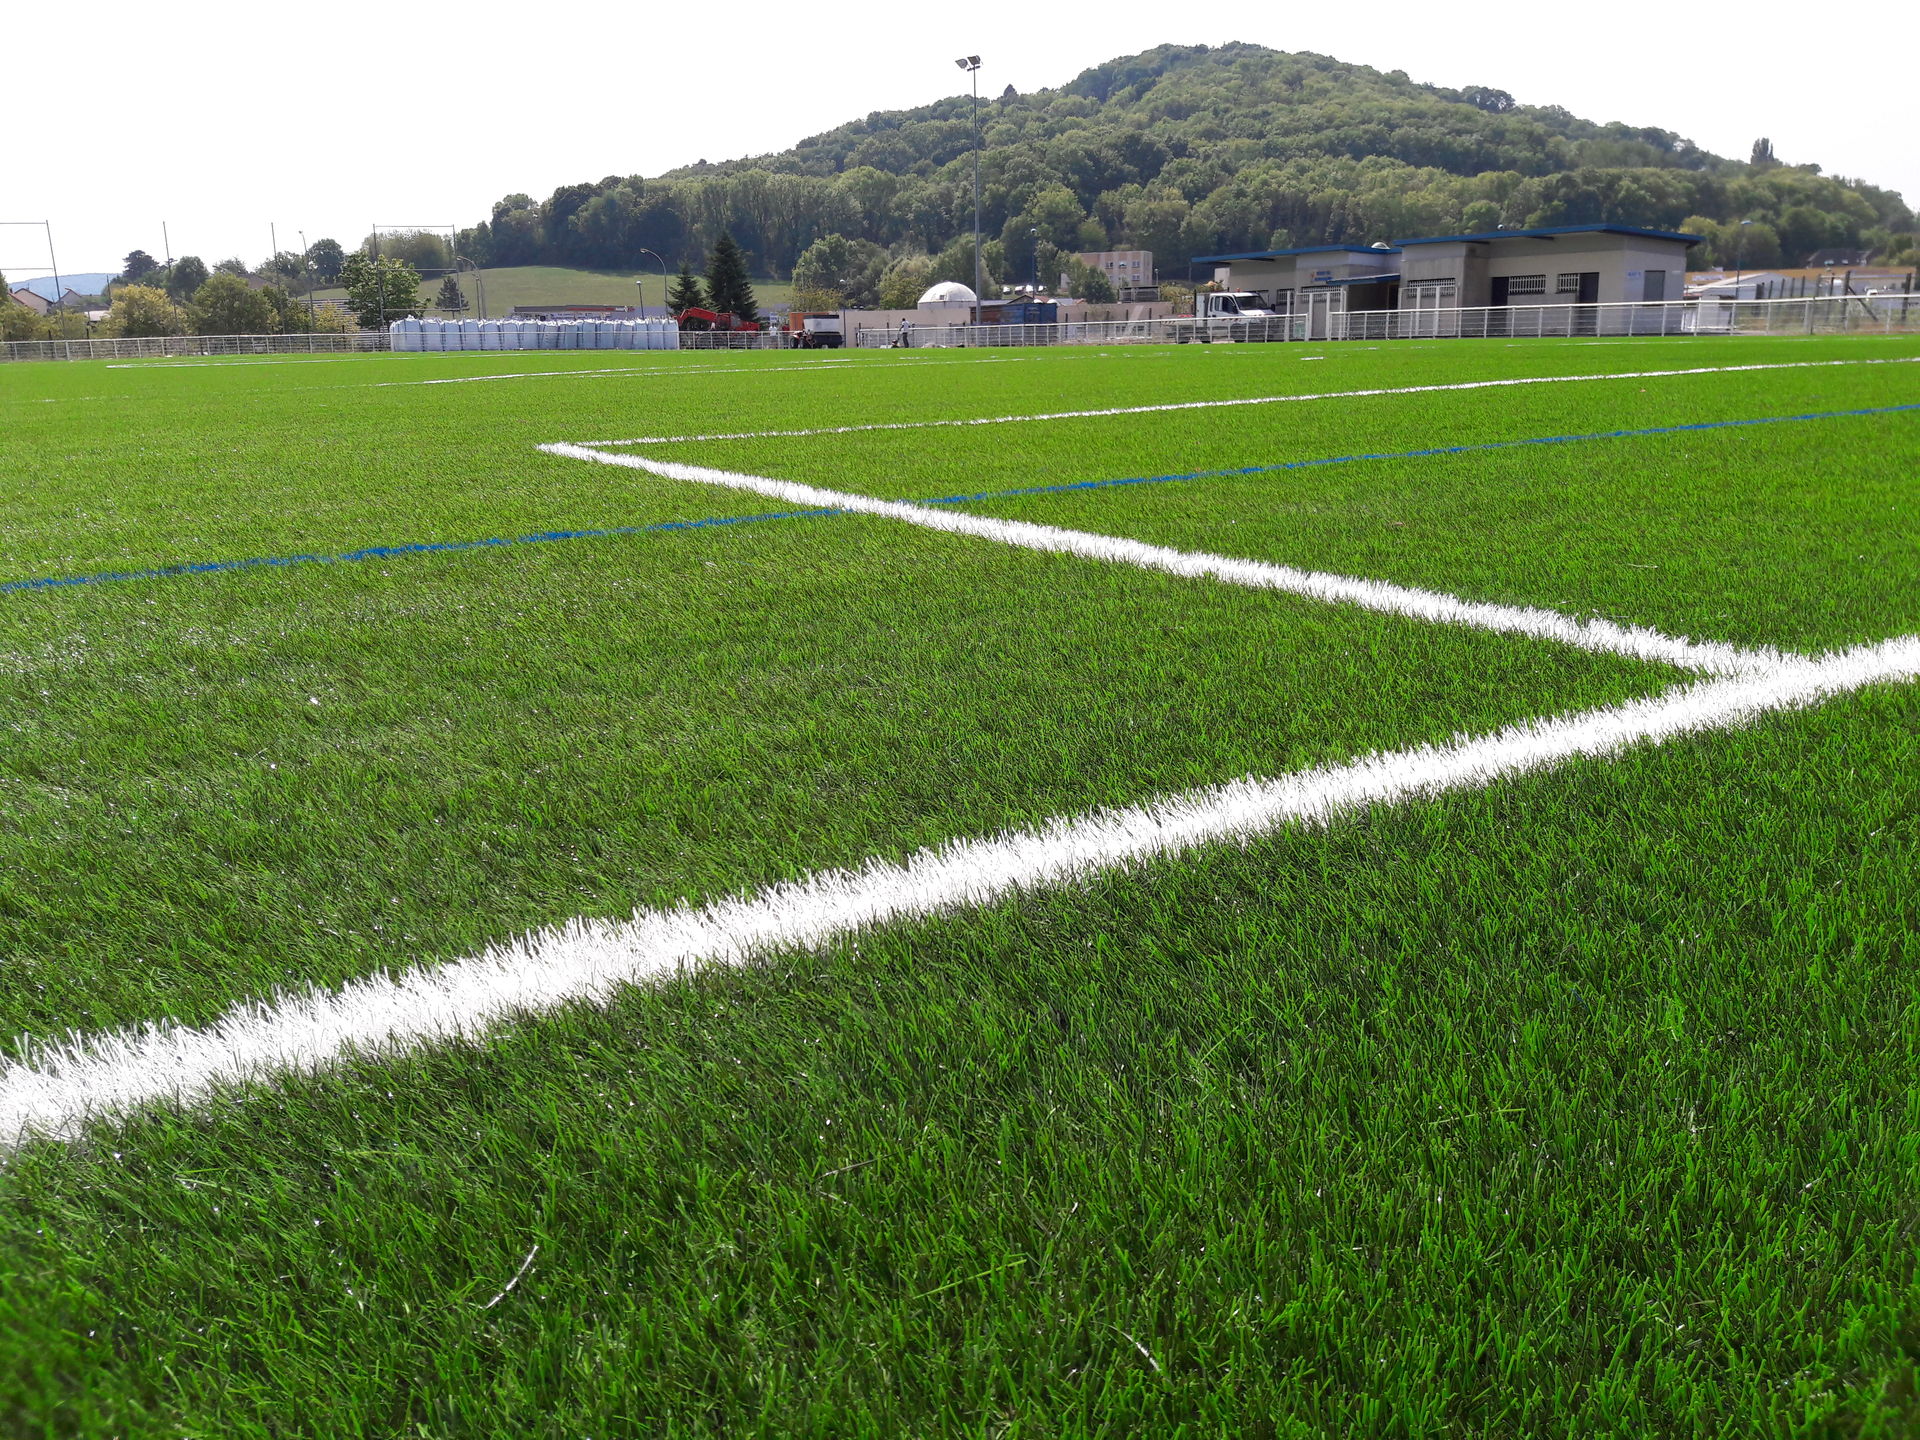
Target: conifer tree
pixel 451 296
pixel 686 292
pixel 728 290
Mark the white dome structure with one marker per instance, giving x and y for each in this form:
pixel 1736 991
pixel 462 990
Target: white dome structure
pixel 948 292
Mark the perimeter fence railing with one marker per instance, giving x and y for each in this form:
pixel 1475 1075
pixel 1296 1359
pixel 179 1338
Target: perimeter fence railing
pixel 169 347
pixel 1887 313
pixel 1884 313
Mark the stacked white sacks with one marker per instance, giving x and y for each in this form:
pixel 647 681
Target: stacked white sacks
pixel 410 334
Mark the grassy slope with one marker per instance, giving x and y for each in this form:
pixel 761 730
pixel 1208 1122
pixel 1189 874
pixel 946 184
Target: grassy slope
pixel 1580 1106
pixel 511 285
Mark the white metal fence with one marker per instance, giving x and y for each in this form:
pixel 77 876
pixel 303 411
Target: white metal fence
pixel 1887 313
pixel 1893 313
pixel 162 347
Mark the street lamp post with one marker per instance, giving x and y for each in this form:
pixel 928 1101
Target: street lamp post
pixel 663 285
pixel 1740 259
pixel 1033 234
pixel 971 64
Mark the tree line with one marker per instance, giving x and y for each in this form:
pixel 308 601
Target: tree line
pixel 1184 151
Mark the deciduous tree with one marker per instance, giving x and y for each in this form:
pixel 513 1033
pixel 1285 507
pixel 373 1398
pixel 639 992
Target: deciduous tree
pixel 188 274
pixel 380 291
pixel 227 305
pixel 137 266
pixel 836 271
pixel 143 310
pixel 326 257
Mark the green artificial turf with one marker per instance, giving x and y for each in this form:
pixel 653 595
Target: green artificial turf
pixel 1585 1104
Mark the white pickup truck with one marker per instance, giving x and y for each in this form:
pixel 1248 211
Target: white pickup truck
pixel 1237 315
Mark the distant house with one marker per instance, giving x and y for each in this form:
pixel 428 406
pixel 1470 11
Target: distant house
pixel 1837 259
pixel 33 300
pixel 1129 270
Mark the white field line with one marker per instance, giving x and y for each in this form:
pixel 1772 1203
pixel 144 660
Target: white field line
pixel 59 1085
pixel 1639 643
pixel 231 364
pixel 1169 406
pixel 817 367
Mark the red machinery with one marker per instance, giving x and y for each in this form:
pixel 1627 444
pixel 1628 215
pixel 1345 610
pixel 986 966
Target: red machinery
pixel 696 318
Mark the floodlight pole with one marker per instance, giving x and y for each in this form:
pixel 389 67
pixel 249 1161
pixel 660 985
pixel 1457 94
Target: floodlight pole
pixel 306 274
pixel 479 282
pixel 971 64
pixel 58 290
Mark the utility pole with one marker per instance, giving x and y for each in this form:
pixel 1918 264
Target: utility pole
pixel 971 64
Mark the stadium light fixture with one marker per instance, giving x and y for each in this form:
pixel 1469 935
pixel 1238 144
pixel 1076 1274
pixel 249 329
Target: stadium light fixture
pixel 971 64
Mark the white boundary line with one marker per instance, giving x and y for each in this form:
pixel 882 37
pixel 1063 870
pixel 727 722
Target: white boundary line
pixel 58 1087
pixel 816 367
pixel 1711 657
pixel 1251 400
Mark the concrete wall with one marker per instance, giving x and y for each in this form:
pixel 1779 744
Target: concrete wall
pixel 850 320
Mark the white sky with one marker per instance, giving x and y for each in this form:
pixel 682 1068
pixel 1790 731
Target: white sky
pixel 221 118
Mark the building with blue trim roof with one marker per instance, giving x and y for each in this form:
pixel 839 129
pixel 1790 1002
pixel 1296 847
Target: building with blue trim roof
pixel 1546 265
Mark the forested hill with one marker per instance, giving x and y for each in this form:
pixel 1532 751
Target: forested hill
pixel 1188 150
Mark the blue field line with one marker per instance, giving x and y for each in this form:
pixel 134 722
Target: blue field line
pixel 383 552
pixel 1410 454
pixel 541 537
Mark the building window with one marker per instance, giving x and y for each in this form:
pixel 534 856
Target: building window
pixel 1568 284
pixel 1526 285
pixel 1429 297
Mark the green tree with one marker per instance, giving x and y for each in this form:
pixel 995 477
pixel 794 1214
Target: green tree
pixel 686 292
pixel 836 271
pixel 286 265
pixel 143 310
pixel 451 296
pixel 906 279
pixel 956 263
pixel 422 249
pixel 232 265
pixel 137 266
pixel 227 305
pixel 728 290
pixel 1086 283
pixel 188 274
pixel 291 315
pixel 380 291
pixel 326 257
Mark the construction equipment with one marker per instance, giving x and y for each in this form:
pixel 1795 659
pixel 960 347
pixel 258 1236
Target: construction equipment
pixel 696 318
pixel 816 329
